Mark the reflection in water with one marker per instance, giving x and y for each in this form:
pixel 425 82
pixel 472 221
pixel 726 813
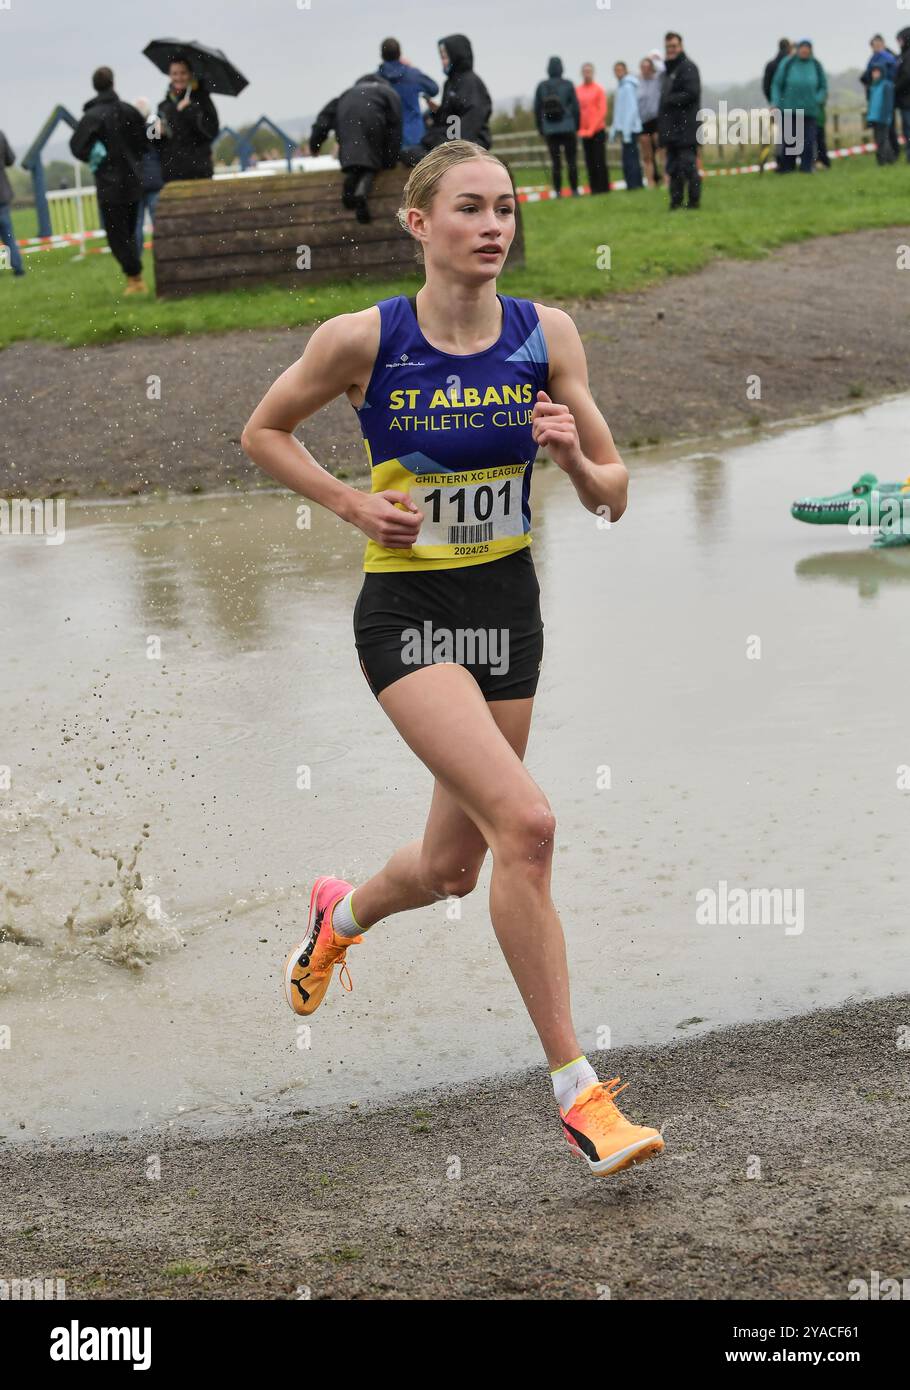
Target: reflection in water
pixel 866 570
pixel 710 494
pixel 225 582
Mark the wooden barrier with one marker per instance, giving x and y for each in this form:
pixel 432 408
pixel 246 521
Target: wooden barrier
pixel 226 234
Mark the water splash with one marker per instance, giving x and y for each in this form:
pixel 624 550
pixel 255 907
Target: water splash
pixel 65 895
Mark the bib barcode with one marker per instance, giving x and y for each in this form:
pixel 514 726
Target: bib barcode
pixel 470 535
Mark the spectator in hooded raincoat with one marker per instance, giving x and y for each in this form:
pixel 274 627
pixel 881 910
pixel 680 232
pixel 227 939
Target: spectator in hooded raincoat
pixel 465 110
pixel 558 116
pixel 367 122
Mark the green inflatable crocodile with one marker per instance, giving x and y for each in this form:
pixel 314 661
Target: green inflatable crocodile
pixel 867 503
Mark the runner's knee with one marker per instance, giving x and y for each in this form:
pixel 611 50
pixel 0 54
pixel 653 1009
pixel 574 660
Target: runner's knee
pixel 447 879
pixel 525 832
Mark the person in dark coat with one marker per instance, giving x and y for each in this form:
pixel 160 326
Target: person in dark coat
pixel 677 122
pixel 888 64
pixel 902 86
pixel 465 110
pixel 7 235
pixel 110 138
pixel 367 121
pixel 189 124
pixel 558 116
pixel 410 83
pixel 784 49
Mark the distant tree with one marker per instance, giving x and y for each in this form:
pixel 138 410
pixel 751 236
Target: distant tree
pixel 59 174
pixel 263 146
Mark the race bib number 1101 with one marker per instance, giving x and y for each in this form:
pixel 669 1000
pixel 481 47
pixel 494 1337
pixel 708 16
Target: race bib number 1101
pixel 470 508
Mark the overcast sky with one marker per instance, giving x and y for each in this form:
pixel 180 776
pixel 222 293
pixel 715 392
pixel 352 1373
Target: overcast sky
pixel 296 58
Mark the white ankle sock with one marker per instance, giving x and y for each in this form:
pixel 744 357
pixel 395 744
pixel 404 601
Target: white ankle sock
pixel 344 923
pixel 569 1081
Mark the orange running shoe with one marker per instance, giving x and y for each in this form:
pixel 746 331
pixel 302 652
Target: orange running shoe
pixel 309 967
pixel 598 1132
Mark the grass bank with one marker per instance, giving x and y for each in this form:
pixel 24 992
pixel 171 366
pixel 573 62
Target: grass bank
pixel 742 217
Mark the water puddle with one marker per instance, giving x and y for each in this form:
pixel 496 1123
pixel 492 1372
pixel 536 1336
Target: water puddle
pixel 190 741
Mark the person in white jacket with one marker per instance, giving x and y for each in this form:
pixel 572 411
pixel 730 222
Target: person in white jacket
pixel 627 124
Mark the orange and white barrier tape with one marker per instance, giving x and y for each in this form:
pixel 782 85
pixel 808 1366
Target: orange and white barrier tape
pixel 533 194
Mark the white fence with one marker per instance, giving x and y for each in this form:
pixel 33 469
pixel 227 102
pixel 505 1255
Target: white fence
pixel 74 211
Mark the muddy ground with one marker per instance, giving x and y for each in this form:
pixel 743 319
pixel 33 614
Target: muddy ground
pixel 361 1204
pixel 823 323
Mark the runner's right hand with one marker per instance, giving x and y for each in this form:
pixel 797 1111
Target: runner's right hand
pixel 384 522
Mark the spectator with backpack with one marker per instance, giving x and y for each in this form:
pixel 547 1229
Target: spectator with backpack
pixel 110 138
pixel 799 91
pixel 558 116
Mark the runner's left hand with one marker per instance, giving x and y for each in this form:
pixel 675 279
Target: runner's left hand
pixel 553 428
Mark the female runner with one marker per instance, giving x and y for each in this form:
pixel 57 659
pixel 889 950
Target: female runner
pixel 455 390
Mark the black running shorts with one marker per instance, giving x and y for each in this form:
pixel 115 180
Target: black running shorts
pixel 483 617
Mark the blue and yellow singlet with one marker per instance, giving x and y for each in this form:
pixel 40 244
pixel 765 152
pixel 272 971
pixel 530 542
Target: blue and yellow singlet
pixel 454 431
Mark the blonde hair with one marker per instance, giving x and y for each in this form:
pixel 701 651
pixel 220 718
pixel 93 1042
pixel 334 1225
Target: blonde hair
pixel 422 185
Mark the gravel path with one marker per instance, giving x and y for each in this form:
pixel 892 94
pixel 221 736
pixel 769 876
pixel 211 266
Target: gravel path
pixel 823 323
pixel 360 1205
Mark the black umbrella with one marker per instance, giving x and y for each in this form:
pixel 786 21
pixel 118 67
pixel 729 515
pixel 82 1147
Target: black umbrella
pixel 209 65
